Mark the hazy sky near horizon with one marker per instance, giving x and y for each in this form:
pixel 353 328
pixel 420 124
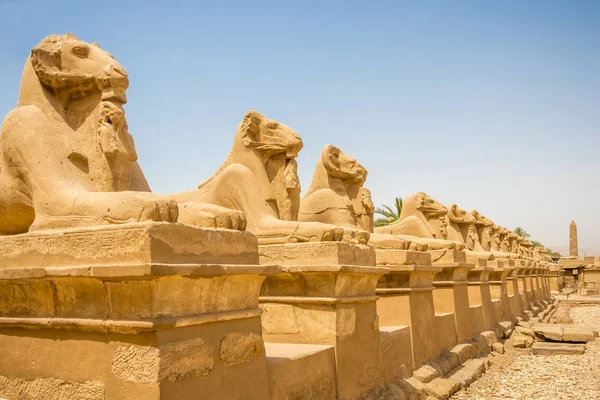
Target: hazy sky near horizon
pixel 489 105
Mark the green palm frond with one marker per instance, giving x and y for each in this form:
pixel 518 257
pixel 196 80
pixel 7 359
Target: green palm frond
pixel 390 214
pixel 535 243
pixel 521 232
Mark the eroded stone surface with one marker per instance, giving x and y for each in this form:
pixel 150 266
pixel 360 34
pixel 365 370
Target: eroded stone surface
pixel 171 361
pixel 50 389
pixel 240 347
pixel 133 363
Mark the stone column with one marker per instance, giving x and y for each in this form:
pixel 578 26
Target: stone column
pixel 326 295
pixel 406 298
pixel 573 245
pixel 144 311
pixel 480 299
pixel 451 293
pixel 541 284
pixel 519 287
pixel 499 289
pixel 554 277
pixel 530 276
pixel 525 279
pixel 512 306
pixel 544 281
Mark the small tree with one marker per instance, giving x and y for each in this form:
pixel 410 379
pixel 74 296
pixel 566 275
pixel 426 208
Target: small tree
pixel 535 243
pixel 521 232
pixel 389 214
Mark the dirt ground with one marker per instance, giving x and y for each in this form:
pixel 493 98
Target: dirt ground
pixel 519 375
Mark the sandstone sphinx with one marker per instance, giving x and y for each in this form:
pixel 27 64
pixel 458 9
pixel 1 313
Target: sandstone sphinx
pixel 462 226
pixel 66 156
pixel 423 219
pixel 489 236
pixel 259 178
pixel 95 272
pixel 336 196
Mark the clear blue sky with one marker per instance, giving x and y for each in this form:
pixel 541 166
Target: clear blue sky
pixel 493 105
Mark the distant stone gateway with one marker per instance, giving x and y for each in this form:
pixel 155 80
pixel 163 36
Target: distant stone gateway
pixel 239 288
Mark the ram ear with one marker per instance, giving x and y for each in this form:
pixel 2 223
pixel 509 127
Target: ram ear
pixel 250 127
pixel 46 64
pixel 331 157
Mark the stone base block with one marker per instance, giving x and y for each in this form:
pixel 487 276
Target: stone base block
pixel 396 352
pixel 402 257
pixel 139 243
pixel 301 371
pixel 136 311
pixel 552 349
pixel 317 254
pixel 221 360
pixel 448 256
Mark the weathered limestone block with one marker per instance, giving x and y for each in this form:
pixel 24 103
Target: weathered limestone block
pixel 463 351
pixel 498 347
pixel 548 332
pixel 522 341
pixel 469 372
pixel 240 347
pixel 578 334
pixel 451 296
pixel 301 371
pixel 50 388
pixel 396 352
pixel 525 331
pixel 552 349
pixel 479 294
pixel 405 298
pixel 332 300
pixel 156 329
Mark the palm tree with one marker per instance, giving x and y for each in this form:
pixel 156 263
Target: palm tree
pixel 521 232
pixel 535 243
pixel 389 214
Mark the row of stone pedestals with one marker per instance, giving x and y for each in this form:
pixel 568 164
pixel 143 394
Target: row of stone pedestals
pixel 166 311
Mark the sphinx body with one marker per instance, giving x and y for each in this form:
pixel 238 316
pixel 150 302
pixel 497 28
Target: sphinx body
pixel 66 156
pixel 337 196
pixel 489 236
pixel 462 226
pixel 259 178
pixel 423 220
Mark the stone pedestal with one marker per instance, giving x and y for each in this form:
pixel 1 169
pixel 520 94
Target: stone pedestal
pixel 528 285
pixel 553 278
pixel 512 306
pixel 326 295
pixel 451 294
pixel 524 290
pixel 499 289
pixel 406 298
pixel 540 282
pixel 519 299
pixel 144 311
pixel 480 299
pixel 546 281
